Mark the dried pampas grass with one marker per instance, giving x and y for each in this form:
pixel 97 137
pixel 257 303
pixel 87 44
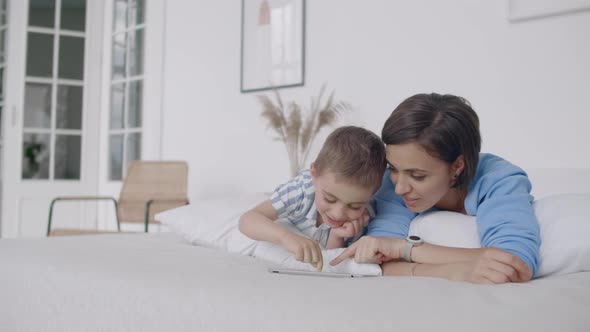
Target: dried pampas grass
pixel 296 129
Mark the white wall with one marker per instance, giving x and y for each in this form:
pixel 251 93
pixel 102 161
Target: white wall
pixel 529 81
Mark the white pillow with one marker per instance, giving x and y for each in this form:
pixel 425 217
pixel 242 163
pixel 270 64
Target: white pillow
pixel 564 221
pixel 213 223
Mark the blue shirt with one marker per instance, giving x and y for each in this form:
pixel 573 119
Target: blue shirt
pixel 498 195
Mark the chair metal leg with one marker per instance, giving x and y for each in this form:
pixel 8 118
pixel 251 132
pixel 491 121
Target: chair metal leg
pixel 147 214
pixel 50 215
pixel 149 204
pixel 55 200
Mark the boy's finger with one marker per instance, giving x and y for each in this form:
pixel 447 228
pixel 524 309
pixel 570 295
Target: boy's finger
pixel 314 255
pixel 320 264
pixel 310 255
pixel 320 257
pixel 299 255
pixel 359 227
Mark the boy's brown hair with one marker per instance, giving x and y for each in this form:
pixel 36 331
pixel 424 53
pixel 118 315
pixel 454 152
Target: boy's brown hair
pixel 355 155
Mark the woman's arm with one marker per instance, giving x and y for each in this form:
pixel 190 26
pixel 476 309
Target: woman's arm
pixel 506 220
pixel 483 265
pixel 391 247
pixel 493 266
pixel 500 198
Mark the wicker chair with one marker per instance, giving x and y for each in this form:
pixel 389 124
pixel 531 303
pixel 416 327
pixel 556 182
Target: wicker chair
pixel 149 187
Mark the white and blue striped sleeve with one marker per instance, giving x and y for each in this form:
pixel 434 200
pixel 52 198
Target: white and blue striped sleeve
pixel 291 197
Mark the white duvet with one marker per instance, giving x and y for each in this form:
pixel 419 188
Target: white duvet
pixel 158 282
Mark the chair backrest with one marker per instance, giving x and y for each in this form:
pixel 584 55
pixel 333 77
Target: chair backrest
pixel 162 182
pixel 147 180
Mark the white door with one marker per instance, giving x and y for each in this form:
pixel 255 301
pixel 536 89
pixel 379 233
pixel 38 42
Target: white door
pixel 51 111
pixel 132 78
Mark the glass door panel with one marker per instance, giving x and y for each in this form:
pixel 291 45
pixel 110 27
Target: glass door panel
pixel 54 90
pixel 39 54
pixel 135 104
pixel 69 107
pixel 37 105
pixel 73 15
pixel 71 58
pixel 36 152
pixel 127 69
pixel 117 106
pixel 67 157
pixel 116 156
pixel 42 13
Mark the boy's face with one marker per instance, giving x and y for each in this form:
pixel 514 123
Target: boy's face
pixel 338 201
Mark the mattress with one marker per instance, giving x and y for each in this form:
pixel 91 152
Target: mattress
pixel 158 282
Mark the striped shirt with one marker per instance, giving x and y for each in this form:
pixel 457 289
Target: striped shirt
pixel 294 202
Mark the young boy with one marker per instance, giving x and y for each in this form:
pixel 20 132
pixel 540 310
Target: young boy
pixel 329 203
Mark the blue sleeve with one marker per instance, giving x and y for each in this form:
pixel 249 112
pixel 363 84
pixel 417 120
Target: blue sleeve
pixel 392 217
pixel 506 219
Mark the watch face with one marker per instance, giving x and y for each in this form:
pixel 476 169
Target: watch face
pixel 414 238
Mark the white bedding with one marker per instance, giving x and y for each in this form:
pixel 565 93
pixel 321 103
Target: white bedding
pixel 158 282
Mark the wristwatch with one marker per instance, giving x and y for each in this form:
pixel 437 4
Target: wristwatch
pixel 411 242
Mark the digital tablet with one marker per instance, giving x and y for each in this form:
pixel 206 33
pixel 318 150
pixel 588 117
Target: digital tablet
pixel 318 274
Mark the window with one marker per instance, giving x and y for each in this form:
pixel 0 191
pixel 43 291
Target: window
pixel 54 86
pixel 126 107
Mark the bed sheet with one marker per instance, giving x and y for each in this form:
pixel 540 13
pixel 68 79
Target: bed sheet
pixel 158 282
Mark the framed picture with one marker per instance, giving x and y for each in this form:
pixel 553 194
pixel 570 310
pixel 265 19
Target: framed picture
pixel 273 44
pixel 524 10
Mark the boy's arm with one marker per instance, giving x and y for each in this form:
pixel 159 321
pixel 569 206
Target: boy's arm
pixel 334 241
pixel 258 223
pixel 340 237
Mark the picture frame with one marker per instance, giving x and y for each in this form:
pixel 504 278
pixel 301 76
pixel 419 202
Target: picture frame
pixel 272 44
pixel 525 10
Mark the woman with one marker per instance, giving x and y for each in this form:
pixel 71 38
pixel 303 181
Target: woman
pixel 434 163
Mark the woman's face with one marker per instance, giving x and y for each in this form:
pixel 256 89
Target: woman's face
pixel 421 180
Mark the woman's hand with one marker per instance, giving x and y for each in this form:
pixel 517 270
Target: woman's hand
pixel 493 266
pixel 370 249
pixel 304 249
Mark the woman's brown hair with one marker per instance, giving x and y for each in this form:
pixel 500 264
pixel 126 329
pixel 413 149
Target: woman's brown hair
pixel 444 125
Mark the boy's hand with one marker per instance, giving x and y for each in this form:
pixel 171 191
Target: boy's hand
pixel 304 249
pixel 351 228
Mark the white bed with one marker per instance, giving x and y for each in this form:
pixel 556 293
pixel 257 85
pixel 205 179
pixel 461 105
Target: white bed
pixel 160 282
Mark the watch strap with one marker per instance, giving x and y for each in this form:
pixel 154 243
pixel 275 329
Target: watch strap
pixel 407 251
